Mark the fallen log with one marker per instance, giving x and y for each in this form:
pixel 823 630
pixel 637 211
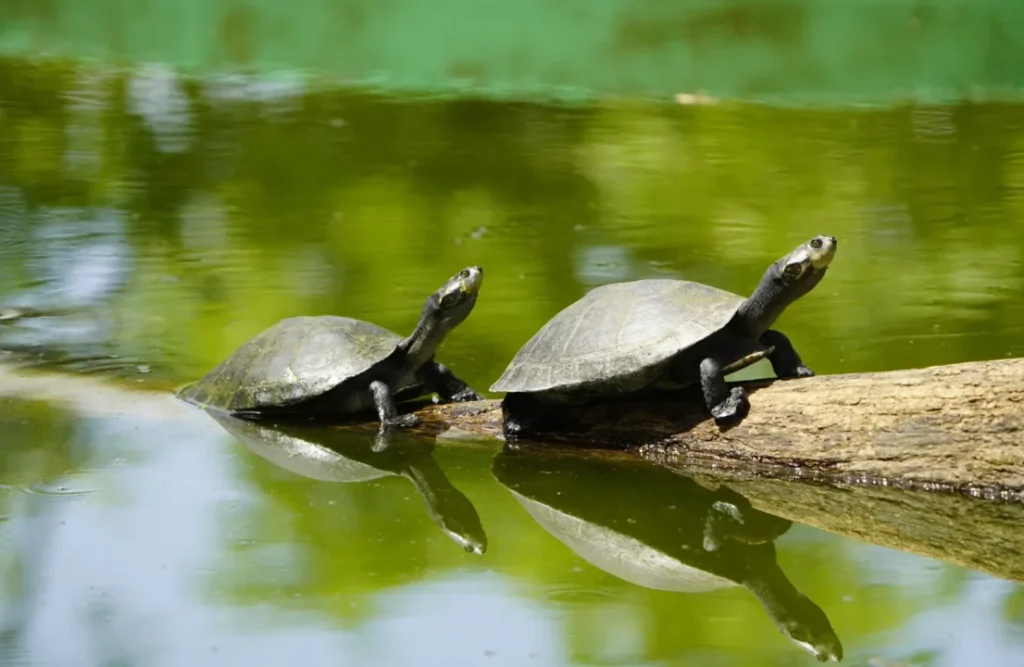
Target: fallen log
pixel 945 428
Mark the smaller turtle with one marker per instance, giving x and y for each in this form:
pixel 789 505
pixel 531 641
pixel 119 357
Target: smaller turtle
pixel 661 334
pixel 330 365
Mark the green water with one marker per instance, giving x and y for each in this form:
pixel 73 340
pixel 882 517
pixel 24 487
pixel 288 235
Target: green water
pixel 155 224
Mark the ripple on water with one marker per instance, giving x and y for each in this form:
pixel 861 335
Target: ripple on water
pixel 40 489
pixel 575 594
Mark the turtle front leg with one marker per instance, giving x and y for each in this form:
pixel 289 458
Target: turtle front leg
pixel 450 387
pixel 728 407
pixel 784 358
pixel 386 409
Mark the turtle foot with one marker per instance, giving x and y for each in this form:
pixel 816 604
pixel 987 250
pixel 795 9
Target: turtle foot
pixel 801 372
pixel 733 409
pixel 401 421
pixel 467 394
pixel 512 430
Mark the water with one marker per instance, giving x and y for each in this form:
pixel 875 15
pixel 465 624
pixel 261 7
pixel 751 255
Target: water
pixel 155 223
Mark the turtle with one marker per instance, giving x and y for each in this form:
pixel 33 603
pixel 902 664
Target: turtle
pixel 650 526
pixel 330 365
pixel 660 334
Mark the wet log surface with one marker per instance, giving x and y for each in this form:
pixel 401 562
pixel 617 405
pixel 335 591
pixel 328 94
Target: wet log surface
pixel 944 428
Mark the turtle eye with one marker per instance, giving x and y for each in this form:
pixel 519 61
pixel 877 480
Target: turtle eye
pixel 816 243
pixel 464 273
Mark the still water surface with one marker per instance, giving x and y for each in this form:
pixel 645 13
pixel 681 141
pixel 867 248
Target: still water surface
pixel 154 224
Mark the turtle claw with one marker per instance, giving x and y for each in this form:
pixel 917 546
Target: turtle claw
pixel 402 421
pixel 467 394
pixel 511 430
pixel 795 372
pixel 733 409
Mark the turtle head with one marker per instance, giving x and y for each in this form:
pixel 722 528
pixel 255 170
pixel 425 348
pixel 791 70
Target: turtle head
pixel 807 264
pixel 786 280
pixel 443 310
pixel 452 303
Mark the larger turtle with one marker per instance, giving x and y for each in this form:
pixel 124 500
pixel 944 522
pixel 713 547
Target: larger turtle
pixel 331 365
pixel 661 334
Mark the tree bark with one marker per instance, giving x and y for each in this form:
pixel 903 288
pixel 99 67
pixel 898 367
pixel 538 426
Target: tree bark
pixel 944 428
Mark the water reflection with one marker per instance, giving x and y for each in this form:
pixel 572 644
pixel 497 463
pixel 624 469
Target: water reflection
pixel 352 456
pixel 38 450
pixel 661 530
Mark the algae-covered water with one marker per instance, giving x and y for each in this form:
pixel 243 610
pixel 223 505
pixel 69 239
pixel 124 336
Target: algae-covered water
pixel 154 223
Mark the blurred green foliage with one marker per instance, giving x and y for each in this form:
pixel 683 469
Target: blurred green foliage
pixel 780 51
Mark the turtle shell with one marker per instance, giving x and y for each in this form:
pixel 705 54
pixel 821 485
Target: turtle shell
pixel 296 359
pixel 617 330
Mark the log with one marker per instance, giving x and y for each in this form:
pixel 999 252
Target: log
pixel 956 428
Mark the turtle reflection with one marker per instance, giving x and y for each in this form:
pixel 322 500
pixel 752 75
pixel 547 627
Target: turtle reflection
pixel 351 456
pixel 658 529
